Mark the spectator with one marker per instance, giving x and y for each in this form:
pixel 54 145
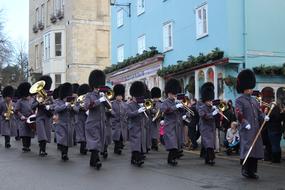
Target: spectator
pixel 232 139
pixel 161 131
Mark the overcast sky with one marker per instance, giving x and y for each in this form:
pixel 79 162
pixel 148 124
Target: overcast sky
pixel 16 17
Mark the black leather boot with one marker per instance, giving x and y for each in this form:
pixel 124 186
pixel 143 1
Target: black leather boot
pixel 83 149
pixel 117 148
pixel 64 153
pixel 94 160
pixel 154 145
pixel 171 160
pixel 7 142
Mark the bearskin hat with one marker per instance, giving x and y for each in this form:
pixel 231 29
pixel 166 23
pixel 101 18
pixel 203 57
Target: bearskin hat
pixel 55 93
pixel 23 89
pixel 172 86
pixel 267 93
pixel 245 80
pixel 8 91
pixel 65 90
pixel 207 91
pixel 83 89
pixel 97 79
pixel 48 81
pixel 75 88
pixel 119 90
pixel 137 89
pixel 155 92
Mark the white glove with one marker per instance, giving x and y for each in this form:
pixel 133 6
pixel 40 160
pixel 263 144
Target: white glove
pixel 102 99
pixel 142 109
pixel 179 105
pixel 184 117
pixel 47 107
pixel 215 112
pixel 23 117
pixel 266 118
pixel 248 127
pixel 87 112
pixel 101 94
pixel 67 103
pixel 215 107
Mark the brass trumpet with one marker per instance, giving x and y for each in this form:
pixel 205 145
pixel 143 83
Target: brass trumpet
pixel 81 99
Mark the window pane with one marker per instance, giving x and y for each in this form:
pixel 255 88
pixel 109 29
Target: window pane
pixel 57 44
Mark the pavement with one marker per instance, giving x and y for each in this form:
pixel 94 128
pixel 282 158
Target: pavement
pixel 28 171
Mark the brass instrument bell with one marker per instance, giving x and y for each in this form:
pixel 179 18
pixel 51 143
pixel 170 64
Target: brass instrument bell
pixel 38 88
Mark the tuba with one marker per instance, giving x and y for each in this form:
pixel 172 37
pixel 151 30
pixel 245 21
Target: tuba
pixel 38 88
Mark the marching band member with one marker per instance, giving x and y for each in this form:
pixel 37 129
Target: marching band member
pixel 23 110
pixel 55 96
pixel 107 131
pixel 172 120
pixel 75 87
pixel 207 113
pixel 96 119
pixel 8 128
pixel 136 122
pixel 273 128
pixel 66 113
pixel 155 95
pixel 249 117
pixel 43 119
pixel 82 116
pixel 119 119
pixel 146 133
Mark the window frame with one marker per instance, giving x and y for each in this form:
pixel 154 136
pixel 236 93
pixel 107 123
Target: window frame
pixel 202 22
pixel 169 42
pixel 120 47
pixel 141 46
pixel 55 44
pixel 120 17
pixel 140 7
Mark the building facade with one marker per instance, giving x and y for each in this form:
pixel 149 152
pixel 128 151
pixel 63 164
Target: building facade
pixel 68 38
pixel 248 36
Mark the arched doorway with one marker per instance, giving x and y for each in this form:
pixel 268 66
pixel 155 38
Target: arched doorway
pixel 210 75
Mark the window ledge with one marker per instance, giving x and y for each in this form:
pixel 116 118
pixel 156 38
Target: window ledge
pixel 139 14
pixel 168 50
pixel 120 26
pixel 202 36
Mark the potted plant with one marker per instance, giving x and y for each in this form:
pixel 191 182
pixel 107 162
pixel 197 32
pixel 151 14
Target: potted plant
pixel 41 25
pixel 52 18
pixel 60 14
pixel 35 28
pixel 217 54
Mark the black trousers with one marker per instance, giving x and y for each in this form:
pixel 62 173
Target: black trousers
pixel 250 167
pixel 26 141
pixel 210 155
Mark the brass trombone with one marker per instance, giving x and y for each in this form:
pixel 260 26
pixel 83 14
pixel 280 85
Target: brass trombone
pixel 222 106
pixel 148 104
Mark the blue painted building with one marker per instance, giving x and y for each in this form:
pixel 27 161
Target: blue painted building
pixel 249 32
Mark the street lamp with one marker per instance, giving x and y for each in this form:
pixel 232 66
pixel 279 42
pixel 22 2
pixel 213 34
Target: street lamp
pixel 113 3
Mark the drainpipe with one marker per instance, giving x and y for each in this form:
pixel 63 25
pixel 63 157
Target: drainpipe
pixel 245 63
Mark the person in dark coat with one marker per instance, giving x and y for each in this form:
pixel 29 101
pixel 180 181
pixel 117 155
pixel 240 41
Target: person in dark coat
pixel 8 127
pixel 96 120
pixel 66 112
pixel 75 87
pixel 82 116
pixel 273 128
pixel 249 117
pixel 192 125
pixel 173 121
pixel 119 119
pixel 154 128
pixel 207 124
pixel 136 122
pixel 44 118
pixel 17 119
pixel 23 110
pixel 107 131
